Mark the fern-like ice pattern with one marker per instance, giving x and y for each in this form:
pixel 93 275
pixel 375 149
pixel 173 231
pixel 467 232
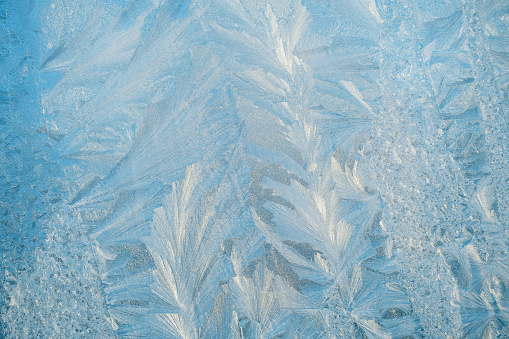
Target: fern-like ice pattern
pixel 254 169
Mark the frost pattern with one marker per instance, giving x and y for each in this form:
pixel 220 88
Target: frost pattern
pixel 254 169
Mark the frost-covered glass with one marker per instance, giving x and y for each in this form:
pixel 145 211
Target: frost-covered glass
pixel 254 169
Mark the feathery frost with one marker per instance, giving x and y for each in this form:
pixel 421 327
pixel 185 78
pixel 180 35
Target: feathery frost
pixel 254 169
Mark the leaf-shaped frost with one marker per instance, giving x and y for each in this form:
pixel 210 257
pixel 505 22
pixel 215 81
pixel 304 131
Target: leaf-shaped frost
pixel 185 242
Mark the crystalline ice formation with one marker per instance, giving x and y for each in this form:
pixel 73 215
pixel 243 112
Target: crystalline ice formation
pixel 254 169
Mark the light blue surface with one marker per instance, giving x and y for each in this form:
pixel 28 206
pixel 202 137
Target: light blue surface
pixel 254 169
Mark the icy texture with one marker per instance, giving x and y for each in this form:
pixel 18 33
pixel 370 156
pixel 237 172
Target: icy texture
pixel 254 169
